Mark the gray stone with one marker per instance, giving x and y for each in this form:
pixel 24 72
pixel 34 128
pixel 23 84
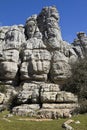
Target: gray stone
pixel 10 92
pixel 77 122
pixel 58 97
pixel 34 92
pixel 8 70
pixel 59 106
pixel 80 45
pixel 66 97
pixel 60 69
pixel 2 97
pixel 34 58
pixel 53 113
pixel 67 127
pixel 36 63
pixel 30 93
pixel 8 115
pixel 31 29
pixel 26 110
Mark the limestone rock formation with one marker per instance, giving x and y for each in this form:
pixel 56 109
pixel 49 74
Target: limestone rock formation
pixel 80 45
pixel 9 55
pixel 35 62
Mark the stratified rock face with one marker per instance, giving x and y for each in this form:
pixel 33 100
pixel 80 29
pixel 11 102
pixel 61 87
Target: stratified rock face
pixel 9 54
pixel 36 59
pixel 36 51
pixel 45 100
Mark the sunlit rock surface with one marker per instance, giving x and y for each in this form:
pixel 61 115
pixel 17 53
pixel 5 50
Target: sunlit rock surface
pixel 35 61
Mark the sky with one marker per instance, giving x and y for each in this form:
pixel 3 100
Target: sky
pixel 73 14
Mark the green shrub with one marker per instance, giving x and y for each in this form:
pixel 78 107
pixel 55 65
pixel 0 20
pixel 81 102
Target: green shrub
pixel 12 102
pixel 3 89
pixel 82 107
pixel 77 83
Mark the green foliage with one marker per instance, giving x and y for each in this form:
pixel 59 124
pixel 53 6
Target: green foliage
pixel 3 89
pixel 82 107
pixel 12 102
pixel 77 83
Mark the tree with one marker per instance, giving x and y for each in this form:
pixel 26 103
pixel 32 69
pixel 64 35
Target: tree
pixel 77 83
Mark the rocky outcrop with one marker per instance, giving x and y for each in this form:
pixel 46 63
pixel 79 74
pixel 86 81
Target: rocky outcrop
pixel 35 62
pixel 36 51
pixel 80 45
pixel 9 57
pixel 47 100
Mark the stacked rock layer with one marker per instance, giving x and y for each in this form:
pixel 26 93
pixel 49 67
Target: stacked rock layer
pixel 35 59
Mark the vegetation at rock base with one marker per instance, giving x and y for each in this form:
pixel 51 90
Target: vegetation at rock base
pixel 12 102
pixel 14 123
pixel 3 89
pixel 77 83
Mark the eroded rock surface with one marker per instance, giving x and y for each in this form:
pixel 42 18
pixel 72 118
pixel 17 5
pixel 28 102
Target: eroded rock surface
pixel 80 45
pixel 35 62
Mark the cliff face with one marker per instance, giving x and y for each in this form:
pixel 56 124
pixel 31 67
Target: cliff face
pixel 36 59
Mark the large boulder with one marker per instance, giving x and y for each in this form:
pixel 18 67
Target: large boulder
pixel 26 110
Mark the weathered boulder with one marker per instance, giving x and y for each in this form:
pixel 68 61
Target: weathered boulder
pixel 29 93
pixel 67 127
pixel 54 113
pixel 9 58
pixel 26 110
pixel 10 93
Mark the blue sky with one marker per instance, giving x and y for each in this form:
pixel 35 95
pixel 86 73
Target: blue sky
pixel 73 14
